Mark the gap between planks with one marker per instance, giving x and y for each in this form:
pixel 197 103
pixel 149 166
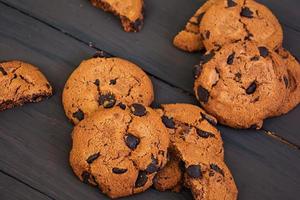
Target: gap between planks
pixel 269 133
pixel 26 184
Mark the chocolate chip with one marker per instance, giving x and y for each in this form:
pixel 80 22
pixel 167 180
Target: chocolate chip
pixel 203 94
pixel 210 119
pixel 246 12
pixel 230 58
pixel 132 141
pixel 141 179
pixel 92 158
pixel 138 109
pixel 113 82
pixel 107 100
pixel 85 177
pixel 263 51
pixel 216 168
pixel 194 171
pixel 204 134
pixel 97 82
pixel 255 58
pixel 231 3
pixel 286 81
pixel 119 171
pixel 102 54
pixel 122 106
pixel 168 122
pixel 206 57
pixel 79 115
pixel 138 24
pixel 3 71
pixel 251 89
pixel 152 167
pixel 197 70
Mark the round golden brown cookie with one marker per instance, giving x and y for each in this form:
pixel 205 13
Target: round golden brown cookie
pixel 234 20
pixel 292 82
pixel 103 83
pixel 130 12
pixel 119 150
pixel 169 177
pixel 189 39
pixel 241 84
pixel 21 83
pixel 211 181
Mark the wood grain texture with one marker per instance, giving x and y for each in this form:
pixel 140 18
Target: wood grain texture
pixel 152 48
pixel 11 189
pixel 35 139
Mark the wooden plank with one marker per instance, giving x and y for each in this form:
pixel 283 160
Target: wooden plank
pixel 11 189
pixel 286 11
pixel 35 139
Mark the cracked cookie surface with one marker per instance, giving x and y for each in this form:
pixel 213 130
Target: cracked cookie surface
pixel 189 39
pixel 130 12
pixel 21 83
pixel 103 83
pixel 211 181
pixel 197 143
pixel 292 82
pixel 244 20
pixel 241 84
pixel 119 150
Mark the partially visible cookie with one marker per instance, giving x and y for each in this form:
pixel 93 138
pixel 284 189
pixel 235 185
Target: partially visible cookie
pixel 169 177
pixel 129 11
pixel 119 150
pixel 103 83
pixel 228 21
pixel 189 39
pixel 198 144
pixel 211 181
pixel 241 84
pixel 292 82
pixel 21 83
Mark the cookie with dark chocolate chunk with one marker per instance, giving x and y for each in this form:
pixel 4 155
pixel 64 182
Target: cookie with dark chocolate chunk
pixel 118 151
pixel 241 91
pixel 229 21
pixel 104 83
pixel 22 83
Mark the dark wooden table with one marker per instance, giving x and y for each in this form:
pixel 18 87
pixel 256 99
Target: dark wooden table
pixel 56 35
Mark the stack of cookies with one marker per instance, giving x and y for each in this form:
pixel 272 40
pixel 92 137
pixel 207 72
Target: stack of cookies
pixel 245 76
pixel 123 146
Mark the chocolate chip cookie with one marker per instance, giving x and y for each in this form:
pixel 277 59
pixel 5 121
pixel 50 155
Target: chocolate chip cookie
pixel 234 20
pixel 189 39
pixel 130 12
pixel 21 83
pixel 241 84
pixel 104 83
pixel 198 144
pixel 119 150
pixel 292 81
